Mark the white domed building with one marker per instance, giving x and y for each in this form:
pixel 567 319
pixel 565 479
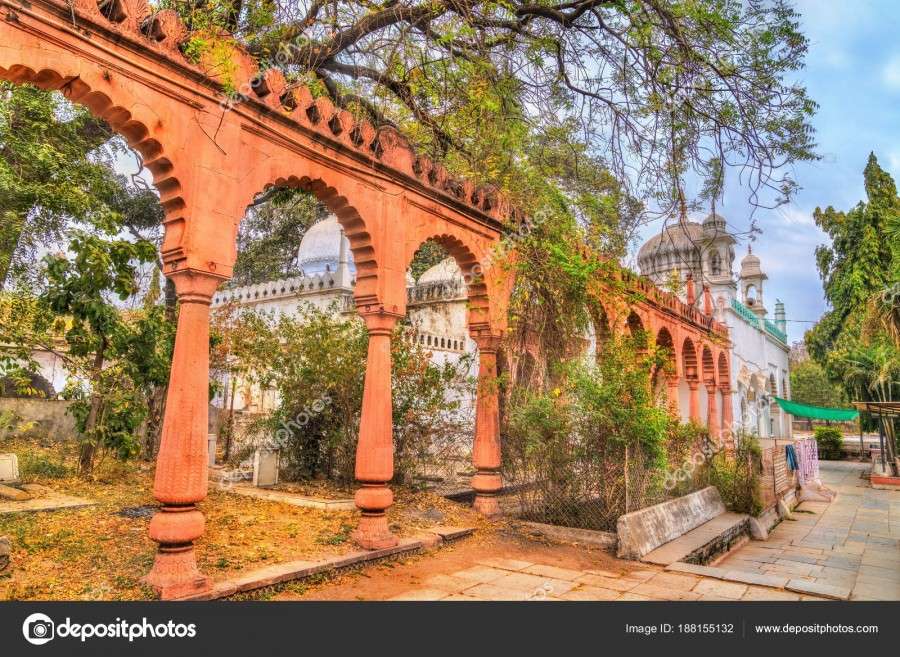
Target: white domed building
pixel 436 306
pixel 704 252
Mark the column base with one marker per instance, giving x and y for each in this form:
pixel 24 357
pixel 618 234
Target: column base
pixel 373 532
pixel 487 505
pixel 487 484
pixel 175 573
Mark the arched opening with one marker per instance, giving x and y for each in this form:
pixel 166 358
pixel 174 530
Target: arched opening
pixel 715 264
pixel 636 331
pixel 666 370
pixel 446 297
pixel 598 330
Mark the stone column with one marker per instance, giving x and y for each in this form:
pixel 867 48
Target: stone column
pixel 182 462
pixel 694 405
pixel 486 449
pixel 672 393
pixel 712 415
pixel 375 449
pixel 727 417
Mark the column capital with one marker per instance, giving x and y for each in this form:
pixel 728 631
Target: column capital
pixel 488 341
pixel 379 321
pixel 196 286
pixel 693 384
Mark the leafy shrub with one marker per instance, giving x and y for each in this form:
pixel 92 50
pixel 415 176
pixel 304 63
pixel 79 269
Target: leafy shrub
pixel 594 446
pixel 829 440
pixel 736 476
pixel 316 362
pixel 34 465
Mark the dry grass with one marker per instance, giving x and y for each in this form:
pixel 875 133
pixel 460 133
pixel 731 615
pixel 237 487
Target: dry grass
pixel 96 553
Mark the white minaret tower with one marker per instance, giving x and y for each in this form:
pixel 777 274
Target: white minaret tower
pixel 751 280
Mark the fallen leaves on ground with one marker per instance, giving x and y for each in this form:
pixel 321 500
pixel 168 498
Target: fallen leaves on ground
pixel 96 553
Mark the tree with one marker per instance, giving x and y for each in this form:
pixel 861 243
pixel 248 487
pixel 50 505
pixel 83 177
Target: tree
pixel 650 86
pixel 857 271
pixel 52 171
pixel 811 385
pixel 110 410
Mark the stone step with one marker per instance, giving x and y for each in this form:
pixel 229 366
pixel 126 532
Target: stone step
pixel 701 544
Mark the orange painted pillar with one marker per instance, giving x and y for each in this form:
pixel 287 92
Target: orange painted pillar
pixel 694 405
pixel 712 415
pixel 487 482
pixel 672 394
pixel 727 416
pixel 375 449
pixel 181 465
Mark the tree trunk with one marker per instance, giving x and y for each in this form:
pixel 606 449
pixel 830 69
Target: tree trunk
pixel 88 447
pixel 229 420
pixel 10 235
pixel 157 402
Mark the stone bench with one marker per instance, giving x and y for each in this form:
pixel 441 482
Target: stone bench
pixel 691 528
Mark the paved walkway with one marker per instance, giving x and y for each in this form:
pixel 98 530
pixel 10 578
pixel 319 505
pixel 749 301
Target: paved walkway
pixel 852 543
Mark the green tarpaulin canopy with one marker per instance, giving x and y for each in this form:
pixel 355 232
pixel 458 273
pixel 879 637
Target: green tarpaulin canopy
pixel 817 412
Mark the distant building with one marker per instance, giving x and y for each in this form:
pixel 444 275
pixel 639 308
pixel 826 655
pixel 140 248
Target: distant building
pixel 760 369
pixel 436 303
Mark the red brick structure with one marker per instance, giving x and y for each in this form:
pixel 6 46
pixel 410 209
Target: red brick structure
pixel 209 159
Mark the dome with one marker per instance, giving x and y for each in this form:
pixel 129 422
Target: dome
pixel 681 236
pixel 715 223
pixel 750 266
pixel 321 248
pixel 445 271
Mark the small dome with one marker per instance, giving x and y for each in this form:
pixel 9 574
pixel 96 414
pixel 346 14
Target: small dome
pixel 320 248
pixel 714 223
pixel 443 272
pixel 750 266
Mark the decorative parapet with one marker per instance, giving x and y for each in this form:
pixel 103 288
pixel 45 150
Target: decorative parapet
pixel 775 332
pixel 671 303
pixel 280 289
pixel 756 322
pixel 164 34
pixel 440 291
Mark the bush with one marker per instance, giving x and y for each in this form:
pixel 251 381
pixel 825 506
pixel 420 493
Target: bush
pixel 316 361
pixel 736 476
pixel 830 441
pixel 39 466
pixel 593 446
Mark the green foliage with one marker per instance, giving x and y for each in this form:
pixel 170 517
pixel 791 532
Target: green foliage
pixel 53 170
pixel 595 446
pixel 120 357
pixel 856 341
pixel 736 476
pixel 830 440
pixel 316 361
pixel 811 385
pixel 35 465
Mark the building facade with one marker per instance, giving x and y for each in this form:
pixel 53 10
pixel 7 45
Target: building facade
pixel 693 255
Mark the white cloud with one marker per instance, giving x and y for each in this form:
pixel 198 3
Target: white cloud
pixel 890 74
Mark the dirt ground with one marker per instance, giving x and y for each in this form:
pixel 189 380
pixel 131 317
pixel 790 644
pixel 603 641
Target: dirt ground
pixel 101 552
pixel 390 579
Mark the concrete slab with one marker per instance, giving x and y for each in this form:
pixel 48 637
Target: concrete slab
pixel 684 546
pixel 50 502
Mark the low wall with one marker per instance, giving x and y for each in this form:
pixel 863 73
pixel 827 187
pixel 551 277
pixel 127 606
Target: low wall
pixel 641 532
pixel 51 416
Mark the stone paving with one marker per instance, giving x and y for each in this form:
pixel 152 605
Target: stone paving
pixel 511 579
pixel 852 543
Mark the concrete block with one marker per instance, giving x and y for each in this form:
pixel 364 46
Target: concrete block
pixel 9 468
pixel 265 468
pixel 641 532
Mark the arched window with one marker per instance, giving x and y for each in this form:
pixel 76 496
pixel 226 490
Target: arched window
pixel 715 264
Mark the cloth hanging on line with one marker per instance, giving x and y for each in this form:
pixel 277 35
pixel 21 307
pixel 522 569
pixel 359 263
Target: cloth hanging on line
pixel 790 456
pixel 808 457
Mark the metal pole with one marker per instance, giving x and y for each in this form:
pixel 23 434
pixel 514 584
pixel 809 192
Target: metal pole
pixel 859 417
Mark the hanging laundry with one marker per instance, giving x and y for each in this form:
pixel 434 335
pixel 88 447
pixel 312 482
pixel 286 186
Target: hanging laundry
pixel 790 456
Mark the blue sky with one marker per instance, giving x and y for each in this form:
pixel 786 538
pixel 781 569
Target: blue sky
pixel 853 72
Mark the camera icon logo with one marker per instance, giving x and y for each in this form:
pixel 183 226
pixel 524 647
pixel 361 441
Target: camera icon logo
pixel 38 629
